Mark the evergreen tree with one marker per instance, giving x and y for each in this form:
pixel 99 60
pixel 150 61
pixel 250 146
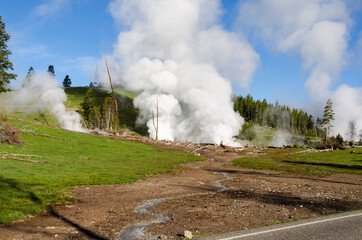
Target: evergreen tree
pixel 30 72
pixel 87 107
pixel 5 63
pixel 352 129
pixel 275 115
pixel 247 132
pixel 339 138
pixel 51 70
pixel 67 82
pixel 328 116
pixel 28 76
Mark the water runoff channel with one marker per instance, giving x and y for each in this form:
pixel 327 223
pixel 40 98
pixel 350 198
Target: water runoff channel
pixel 137 232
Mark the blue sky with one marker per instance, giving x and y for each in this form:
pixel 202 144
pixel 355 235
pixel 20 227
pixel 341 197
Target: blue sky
pixel 73 35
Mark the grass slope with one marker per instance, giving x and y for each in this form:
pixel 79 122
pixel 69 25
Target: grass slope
pixel 27 188
pixel 311 163
pixel 127 114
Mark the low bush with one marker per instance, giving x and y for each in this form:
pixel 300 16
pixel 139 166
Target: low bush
pixel 331 143
pixel 9 134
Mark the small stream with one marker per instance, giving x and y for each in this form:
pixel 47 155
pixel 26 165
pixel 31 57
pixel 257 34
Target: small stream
pixel 136 232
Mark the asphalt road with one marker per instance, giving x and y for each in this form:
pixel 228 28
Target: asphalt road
pixel 345 226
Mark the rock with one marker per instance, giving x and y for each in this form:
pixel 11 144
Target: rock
pixel 162 237
pixel 187 234
pixel 353 151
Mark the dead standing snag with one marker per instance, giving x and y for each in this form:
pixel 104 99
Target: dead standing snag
pixel 153 119
pixel 114 99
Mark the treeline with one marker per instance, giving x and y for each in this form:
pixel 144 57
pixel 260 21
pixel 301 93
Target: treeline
pixel 277 116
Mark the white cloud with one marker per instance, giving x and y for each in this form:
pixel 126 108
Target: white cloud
pixel 50 7
pixel 358 55
pixel 317 30
pixel 34 51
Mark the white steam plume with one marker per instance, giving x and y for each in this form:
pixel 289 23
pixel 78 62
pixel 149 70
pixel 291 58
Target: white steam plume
pixel 175 52
pixel 40 92
pixel 317 30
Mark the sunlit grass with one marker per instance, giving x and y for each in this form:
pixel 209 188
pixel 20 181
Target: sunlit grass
pixel 27 188
pixel 311 163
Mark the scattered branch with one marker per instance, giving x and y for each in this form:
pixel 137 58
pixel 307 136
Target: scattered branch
pixel 25 160
pixel 21 157
pixel 44 135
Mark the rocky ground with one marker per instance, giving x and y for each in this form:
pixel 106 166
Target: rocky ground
pixel 246 198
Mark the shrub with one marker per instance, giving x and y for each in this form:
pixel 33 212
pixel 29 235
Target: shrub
pixel 331 143
pixel 9 134
pixel 247 132
pixel 3 118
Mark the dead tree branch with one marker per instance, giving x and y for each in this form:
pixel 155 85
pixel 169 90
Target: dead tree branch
pixel 44 135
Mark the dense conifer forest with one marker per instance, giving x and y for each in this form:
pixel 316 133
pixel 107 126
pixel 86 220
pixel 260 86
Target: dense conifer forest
pixel 277 116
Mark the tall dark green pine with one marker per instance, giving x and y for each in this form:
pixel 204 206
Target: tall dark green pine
pixel 67 82
pixel 28 76
pixel 328 116
pixel 30 72
pixel 88 103
pixel 51 70
pixel 5 63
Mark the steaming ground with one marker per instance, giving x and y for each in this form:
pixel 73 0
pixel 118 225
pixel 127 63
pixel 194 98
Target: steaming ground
pixel 41 92
pixel 174 52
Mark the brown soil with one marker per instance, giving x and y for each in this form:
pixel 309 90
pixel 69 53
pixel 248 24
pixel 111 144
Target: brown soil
pixel 255 198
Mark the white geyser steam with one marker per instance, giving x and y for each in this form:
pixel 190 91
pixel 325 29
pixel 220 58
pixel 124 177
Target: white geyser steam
pixel 176 54
pixel 317 30
pixel 40 92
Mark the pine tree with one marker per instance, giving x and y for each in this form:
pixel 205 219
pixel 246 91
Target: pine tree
pixel 352 129
pixel 28 76
pixel 5 63
pixel 328 116
pixel 30 72
pixel 51 70
pixel 87 105
pixel 67 82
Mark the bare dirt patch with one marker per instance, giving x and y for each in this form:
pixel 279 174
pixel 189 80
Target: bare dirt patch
pixel 255 198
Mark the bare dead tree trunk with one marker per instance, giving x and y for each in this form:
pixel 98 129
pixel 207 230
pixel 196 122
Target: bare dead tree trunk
pixel 108 118
pixel 153 120
pixel 114 99
pixel 157 122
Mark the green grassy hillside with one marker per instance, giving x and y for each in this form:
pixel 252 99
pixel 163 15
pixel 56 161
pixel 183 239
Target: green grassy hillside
pixel 308 163
pixel 27 188
pixel 127 114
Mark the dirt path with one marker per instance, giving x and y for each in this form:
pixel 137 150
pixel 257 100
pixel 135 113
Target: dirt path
pixel 255 198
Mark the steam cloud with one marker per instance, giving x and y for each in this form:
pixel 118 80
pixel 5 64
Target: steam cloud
pixel 42 92
pixel 318 30
pixel 174 51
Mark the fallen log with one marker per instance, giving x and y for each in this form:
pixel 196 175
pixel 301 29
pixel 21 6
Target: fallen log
pixel 44 135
